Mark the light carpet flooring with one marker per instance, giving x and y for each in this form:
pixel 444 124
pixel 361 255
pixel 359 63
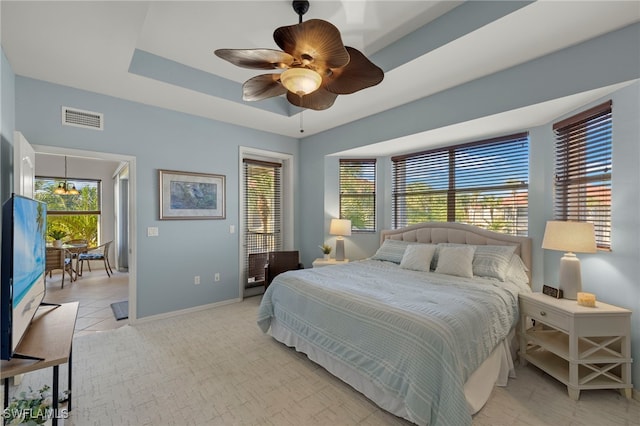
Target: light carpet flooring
pixel 215 367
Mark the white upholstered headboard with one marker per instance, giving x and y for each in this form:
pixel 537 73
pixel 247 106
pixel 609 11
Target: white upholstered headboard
pixel 459 233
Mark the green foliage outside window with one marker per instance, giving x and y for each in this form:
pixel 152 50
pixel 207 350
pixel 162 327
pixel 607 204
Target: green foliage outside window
pixel 358 193
pixel 483 183
pixel 77 215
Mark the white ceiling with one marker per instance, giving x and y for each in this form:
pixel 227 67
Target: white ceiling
pixel 90 45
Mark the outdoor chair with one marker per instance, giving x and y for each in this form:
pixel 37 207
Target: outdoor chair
pixel 100 252
pixel 58 258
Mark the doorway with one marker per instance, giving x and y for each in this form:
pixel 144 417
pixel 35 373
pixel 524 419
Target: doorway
pixel 122 215
pixel 266 212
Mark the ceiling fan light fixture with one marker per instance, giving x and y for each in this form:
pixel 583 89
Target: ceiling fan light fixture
pixel 319 67
pixel 301 81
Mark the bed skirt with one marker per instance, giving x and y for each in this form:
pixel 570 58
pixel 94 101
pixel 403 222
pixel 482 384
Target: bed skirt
pixel 495 370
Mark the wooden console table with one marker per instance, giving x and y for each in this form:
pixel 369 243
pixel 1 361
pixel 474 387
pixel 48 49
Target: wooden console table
pixel 50 338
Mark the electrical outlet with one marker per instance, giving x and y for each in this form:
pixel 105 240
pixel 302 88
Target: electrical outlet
pixel 216 277
pixel 196 279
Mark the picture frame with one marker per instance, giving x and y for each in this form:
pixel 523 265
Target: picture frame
pixel 190 195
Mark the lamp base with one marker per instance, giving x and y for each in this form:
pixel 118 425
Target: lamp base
pixel 570 277
pixel 339 249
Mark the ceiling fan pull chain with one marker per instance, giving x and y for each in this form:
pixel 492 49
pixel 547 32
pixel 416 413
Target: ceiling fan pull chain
pixel 301 123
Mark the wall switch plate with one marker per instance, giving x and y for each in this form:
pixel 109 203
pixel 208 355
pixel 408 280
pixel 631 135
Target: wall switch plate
pixel 196 279
pixel 232 229
pixel 216 277
pixel 152 231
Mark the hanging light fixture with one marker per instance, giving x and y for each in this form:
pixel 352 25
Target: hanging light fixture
pixel 60 190
pixel 63 188
pixel 318 66
pixel 73 190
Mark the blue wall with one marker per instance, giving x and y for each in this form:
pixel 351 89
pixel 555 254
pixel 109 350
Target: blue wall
pixel 159 139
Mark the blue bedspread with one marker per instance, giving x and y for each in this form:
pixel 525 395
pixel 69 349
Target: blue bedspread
pixel 415 335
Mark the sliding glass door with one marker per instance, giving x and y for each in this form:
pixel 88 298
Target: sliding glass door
pixel 263 225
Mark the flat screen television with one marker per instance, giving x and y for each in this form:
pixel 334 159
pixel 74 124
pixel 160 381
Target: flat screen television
pixel 24 224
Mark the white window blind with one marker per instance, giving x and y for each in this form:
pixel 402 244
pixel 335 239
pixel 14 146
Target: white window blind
pixel 358 193
pixel 483 183
pixel 583 170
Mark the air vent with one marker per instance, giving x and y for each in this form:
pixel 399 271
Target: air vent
pixel 80 118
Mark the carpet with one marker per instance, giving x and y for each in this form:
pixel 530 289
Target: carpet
pixel 120 310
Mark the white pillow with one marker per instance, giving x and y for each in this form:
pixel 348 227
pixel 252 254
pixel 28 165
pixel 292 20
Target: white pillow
pixel 492 261
pixel 457 260
pixel 417 257
pixel 391 251
pixel 517 271
pixel 434 261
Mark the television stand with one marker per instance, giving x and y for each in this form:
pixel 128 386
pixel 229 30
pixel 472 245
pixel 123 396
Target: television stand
pixel 48 338
pixel 22 356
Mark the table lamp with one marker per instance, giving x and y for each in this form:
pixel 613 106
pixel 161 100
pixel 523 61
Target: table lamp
pixel 340 227
pixel 570 237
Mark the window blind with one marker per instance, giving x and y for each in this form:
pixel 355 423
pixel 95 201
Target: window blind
pixel 483 183
pixel 263 206
pixel 358 193
pixel 583 170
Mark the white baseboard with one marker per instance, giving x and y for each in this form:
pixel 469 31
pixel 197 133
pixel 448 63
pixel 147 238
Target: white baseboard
pixel 184 311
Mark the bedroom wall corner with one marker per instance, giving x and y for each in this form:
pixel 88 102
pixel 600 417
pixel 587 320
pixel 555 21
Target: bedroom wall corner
pixel 541 164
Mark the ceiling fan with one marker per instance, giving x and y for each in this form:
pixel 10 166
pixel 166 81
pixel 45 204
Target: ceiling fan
pixel 317 66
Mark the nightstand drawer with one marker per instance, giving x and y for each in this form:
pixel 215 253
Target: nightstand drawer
pixel 545 314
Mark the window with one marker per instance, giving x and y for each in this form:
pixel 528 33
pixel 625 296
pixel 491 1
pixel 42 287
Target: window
pixel 358 193
pixel 583 170
pixel 263 206
pixel 482 183
pixel 77 215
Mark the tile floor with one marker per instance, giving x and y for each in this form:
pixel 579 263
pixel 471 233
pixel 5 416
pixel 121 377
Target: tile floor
pixel 96 292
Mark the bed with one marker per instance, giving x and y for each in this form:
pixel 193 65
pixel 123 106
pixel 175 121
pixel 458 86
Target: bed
pixel 423 328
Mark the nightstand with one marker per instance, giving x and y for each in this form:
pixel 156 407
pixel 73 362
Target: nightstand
pixel 584 348
pixel 326 262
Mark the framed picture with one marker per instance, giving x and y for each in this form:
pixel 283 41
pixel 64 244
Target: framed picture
pixel 185 195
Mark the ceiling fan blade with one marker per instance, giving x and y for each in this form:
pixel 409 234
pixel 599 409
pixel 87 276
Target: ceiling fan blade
pixel 262 87
pixel 263 59
pixel 318 100
pixel 314 43
pixel 359 74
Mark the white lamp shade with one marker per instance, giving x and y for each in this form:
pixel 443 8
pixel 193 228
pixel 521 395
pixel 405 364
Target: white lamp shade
pixel 301 81
pixel 574 237
pixel 340 227
pixel 570 237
